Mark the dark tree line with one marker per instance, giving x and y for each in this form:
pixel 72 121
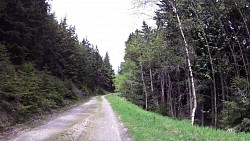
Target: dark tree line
pixel 194 65
pixel 42 63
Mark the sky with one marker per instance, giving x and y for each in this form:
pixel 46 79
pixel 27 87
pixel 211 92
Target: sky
pixel 105 23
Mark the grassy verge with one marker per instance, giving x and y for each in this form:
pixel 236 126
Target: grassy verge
pixel 148 126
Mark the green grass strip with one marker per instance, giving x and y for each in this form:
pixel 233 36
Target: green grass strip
pixel 148 126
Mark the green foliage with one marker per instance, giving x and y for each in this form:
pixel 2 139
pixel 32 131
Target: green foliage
pixel 119 81
pixel 236 114
pixel 28 92
pixel 148 53
pixel 107 74
pixel 41 61
pixel 128 82
pixel 148 126
pixel 217 34
pixel 245 125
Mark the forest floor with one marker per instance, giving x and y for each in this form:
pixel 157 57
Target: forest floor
pixel 91 121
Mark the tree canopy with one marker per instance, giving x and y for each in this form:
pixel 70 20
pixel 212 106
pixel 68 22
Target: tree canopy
pixel 207 38
pixel 42 64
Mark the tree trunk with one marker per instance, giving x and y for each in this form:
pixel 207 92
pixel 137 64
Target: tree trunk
pixel 243 59
pixel 151 80
pixel 214 84
pixel 162 92
pixel 229 45
pixel 248 33
pixel 188 63
pixel 242 17
pixel 190 97
pixel 215 104
pixel 202 113
pixel 152 88
pixel 144 87
pixel 179 93
pixel 169 86
pixel 212 107
pixel 212 68
pixel 222 90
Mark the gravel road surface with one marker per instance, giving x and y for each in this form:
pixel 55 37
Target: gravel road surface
pixel 92 121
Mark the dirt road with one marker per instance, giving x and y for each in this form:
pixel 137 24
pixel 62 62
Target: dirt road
pixel 92 121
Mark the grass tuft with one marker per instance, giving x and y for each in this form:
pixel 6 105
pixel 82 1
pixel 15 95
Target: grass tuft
pixel 147 126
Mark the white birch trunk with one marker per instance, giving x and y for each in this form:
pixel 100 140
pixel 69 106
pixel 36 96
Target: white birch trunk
pixel 188 62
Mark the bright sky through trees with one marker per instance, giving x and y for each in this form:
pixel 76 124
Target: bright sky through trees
pixel 106 24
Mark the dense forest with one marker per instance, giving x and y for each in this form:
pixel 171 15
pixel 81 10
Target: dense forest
pixel 43 66
pixel 194 65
